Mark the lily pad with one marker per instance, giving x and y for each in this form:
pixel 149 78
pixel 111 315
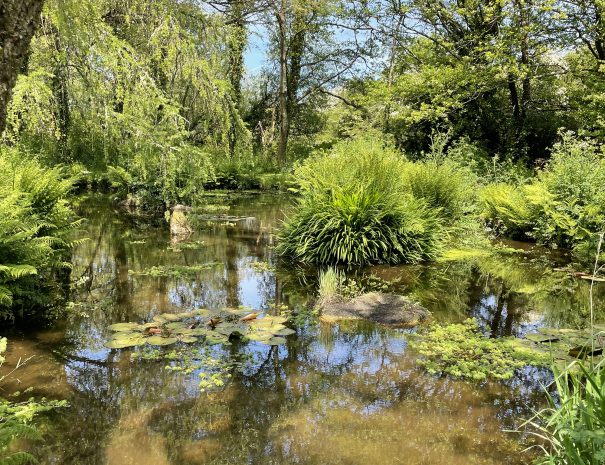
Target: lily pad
pixel 170 317
pixel 259 336
pixel 284 332
pixel 201 312
pixel 161 341
pixel 187 339
pixel 176 325
pixel 123 327
pixel 123 343
pixel 216 338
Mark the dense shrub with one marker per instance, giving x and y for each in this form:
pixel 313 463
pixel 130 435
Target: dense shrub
pixel 563 206
pixel 34 225
pixel 355 208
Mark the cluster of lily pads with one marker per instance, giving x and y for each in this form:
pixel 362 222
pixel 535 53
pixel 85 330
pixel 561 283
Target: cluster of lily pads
pixel 211 327
pixel 565 346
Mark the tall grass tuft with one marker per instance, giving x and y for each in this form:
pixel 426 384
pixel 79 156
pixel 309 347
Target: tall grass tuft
pixel 574 424
pixel 355 209
pixel 443 185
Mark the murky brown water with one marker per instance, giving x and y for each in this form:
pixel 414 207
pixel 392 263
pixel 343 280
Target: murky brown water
pixel 343 394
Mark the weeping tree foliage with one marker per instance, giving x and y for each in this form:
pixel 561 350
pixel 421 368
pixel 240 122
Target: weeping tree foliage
pixel 137 85
pixel 18 22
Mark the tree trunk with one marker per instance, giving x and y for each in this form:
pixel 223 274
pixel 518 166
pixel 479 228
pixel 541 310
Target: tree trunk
pixel 296 49
pixel 19 20
pixel 284 121
pixel 237 46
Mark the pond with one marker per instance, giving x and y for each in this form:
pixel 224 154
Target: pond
pixel 343 394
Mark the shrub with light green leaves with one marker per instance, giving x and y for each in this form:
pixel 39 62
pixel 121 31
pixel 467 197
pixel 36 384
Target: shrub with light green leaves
pixel 444 186
pixel 564 206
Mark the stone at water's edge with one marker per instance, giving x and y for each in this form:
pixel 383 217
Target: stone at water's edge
pixel 179 224
pixel 389 309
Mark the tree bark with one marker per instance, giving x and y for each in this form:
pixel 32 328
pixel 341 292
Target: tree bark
pixel 284 121
pixel 19 20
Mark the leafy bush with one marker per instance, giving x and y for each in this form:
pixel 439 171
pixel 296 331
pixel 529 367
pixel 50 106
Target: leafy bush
pixel 506 208
pixel 354 209
pixel 34 225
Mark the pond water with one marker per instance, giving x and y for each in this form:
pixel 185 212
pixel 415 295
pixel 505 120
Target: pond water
pixel 342 394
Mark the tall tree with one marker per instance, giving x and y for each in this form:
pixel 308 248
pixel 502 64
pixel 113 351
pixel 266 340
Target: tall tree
pixel 19 20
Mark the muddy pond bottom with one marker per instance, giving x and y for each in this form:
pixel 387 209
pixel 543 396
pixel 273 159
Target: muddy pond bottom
pixel 349 393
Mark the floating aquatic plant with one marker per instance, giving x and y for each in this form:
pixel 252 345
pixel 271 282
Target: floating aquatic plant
pixel 210 327
pixel 173 271
pixel 462 351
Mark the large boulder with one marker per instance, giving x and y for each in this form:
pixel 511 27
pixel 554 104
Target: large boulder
pixel 388 309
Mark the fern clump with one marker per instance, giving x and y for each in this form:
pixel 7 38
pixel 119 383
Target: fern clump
pixel 35 223
pixel 356 209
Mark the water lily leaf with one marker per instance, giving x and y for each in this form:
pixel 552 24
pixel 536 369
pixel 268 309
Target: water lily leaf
pixel 151 324
pixel 273 319
pixel 170 316
pixel 184 315
pixel 274 341
pixel 159 319
pixel 284 332
pixel 183 331
pixel 201 312
pixel 176 325
pixel 161 341
pixel 227 329
pixel 236 311
pixel 125 335
pixel 198 331
pixel 125 327
pixel 188 339
pixel 125 342
pixel 259 336
pixel 215 338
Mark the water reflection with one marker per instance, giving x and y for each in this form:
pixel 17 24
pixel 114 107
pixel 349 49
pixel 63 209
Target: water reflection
pixel 334 394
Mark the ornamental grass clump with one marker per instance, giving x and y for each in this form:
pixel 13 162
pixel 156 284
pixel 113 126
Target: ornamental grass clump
pixel 355 209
